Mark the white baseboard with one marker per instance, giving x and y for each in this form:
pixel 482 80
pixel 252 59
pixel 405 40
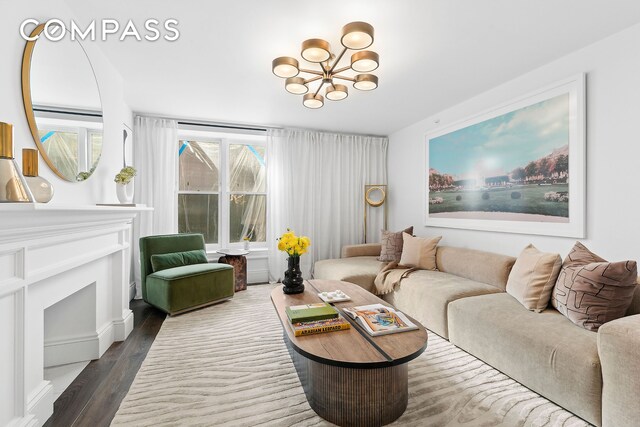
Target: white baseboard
pixel 122 328
pixel 258 276
pixel 132 291
pixel 106 337
pixel 27 421
pixel 78 348
pixel 39 405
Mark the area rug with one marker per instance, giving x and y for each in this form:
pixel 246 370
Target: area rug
pixel 227 365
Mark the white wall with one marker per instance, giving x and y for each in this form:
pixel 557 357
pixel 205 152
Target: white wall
pixel 100 187
pixel 613 153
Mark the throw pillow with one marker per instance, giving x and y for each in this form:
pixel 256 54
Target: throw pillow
pixel 392 245
pixel 161 262
pixel 532 278
pixel 418 252
pixel 591 291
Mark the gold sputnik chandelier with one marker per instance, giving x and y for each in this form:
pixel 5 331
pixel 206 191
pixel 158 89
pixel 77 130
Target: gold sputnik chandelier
pixel 355 36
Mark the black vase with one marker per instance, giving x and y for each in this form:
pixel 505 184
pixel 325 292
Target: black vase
pixel 293 282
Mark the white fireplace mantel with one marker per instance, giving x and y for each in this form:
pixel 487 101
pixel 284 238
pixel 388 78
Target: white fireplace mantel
pixel 64 296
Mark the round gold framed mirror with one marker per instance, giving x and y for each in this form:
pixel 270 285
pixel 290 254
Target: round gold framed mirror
pixel 62 103
pixel 375 195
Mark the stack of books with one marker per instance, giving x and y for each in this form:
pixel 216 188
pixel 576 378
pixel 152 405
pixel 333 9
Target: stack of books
pixel 316 318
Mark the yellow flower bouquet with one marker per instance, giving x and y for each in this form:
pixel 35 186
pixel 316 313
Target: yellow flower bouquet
pixel 293 245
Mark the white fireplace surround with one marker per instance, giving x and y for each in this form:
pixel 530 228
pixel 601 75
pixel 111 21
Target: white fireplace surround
pixel 64 296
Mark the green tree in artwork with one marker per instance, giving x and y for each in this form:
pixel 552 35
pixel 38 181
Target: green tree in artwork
pixel 543 167
pixel 562 163
pixel 531 169
pixel 518 174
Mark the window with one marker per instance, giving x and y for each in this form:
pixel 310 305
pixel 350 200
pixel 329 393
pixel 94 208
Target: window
pixel 247 193
pixel 222 188
pixel 199 188
pixel 71 149
pixel 61 147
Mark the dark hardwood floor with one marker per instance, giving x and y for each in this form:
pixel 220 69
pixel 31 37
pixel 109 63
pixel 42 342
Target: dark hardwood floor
pixel 94 396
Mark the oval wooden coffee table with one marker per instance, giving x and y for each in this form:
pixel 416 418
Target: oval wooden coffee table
pixel 349 377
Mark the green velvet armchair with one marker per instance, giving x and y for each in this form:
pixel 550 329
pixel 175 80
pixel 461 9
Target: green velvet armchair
pixel 176 276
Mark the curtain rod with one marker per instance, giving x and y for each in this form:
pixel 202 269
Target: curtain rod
pixel 247 127
pixel 221 126
pixel 70 112
pixel 204 123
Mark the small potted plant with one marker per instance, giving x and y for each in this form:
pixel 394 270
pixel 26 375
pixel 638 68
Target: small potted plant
pixel 124 184
pixel 245 241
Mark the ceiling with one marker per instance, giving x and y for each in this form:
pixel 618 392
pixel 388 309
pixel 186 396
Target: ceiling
pixel 433 54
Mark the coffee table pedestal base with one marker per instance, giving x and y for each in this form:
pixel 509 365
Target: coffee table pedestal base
pixel 350 396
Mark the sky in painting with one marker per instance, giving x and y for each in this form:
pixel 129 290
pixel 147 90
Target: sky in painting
pixel 499 145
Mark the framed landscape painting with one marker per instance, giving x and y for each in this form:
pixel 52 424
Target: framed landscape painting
pixel 518 168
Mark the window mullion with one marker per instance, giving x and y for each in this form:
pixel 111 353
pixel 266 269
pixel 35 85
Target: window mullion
pixel 223 200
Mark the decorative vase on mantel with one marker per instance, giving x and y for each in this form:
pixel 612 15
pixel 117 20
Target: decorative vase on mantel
pixel 13 187
pixel 125 192
pixel 124 184
pixel 293 282
pixel 41 189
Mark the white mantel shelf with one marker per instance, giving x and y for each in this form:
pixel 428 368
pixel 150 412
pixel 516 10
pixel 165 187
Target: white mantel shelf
pixel 64 295
pixel 21 207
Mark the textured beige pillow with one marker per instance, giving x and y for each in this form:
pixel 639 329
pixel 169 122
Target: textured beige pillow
pixel 392 245
pixel 533 277
pixel 419 252
pixel 591 291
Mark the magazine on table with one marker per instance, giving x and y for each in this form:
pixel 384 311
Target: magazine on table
pixel 378 319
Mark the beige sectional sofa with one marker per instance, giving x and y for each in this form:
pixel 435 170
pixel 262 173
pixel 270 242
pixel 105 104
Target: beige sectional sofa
pixel 595 375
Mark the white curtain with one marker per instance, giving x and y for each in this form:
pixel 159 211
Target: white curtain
pixel 316 187
pixel 155 156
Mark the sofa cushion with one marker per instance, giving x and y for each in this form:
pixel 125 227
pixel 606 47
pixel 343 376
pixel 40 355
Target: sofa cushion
pixel 481 266
pixel 359 270
pixel 618 350
pixel 419 252
pixel 634 308
pixel 180 288
pixel 177 259
pixel 532 278
pixel 363 249
pixel 425 295
pixel 591 291
pixel 392 244
pixel 189 270
pixel 544 351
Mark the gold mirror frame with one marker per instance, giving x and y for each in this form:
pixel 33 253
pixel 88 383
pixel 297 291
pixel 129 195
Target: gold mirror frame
pixel 28 101
pixel 368 201
pixel 374 203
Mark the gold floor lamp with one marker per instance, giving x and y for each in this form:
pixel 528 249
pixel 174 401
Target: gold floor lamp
pixel 375 195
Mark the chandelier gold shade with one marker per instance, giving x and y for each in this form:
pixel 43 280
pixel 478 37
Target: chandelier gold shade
pixel 357 35
pixel 316 50
pixel 365 82
pixel 313 101
pixel 364 61
pixel 336 92
pixel 285 67
pixel 327 69
pixel 296 85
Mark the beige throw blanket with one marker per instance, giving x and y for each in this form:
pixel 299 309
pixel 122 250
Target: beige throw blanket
pixel 388 279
